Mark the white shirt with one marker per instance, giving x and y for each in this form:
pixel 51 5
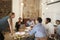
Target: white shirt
pixel 50 28
pixel 30 23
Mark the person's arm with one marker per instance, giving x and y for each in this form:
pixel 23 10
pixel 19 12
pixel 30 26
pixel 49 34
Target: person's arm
pixel 16 24
pixel 10 25
pixel 32 32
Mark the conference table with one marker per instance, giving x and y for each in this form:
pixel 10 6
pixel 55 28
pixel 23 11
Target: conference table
pixel 22 34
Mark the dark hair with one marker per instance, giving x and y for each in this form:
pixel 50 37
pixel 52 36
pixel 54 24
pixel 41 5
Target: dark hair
pixel 58 20
pixel 39 19
pixel 11 13
pixel 19 18
pixel 48 19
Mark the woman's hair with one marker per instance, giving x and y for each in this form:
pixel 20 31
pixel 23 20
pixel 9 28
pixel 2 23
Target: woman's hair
pixel 11 13
pixel 39 19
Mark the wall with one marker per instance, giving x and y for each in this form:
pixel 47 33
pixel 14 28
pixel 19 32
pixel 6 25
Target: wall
pixel 17 9
pixel 51 11
pixel 31 8
pixel 5 7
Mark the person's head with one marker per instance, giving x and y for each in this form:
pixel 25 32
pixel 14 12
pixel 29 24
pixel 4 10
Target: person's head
pixel 19 19
pixel 30 19
pixel 12 15
pixel 39 19
pixel 57 22
pixel 48 20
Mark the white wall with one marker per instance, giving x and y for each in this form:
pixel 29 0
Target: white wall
pixel 51 11
pixel 17 9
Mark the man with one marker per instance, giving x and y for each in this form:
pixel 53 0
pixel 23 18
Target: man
pixel 6 22
pixel 39 30
pixel 58 29
pixel 49 28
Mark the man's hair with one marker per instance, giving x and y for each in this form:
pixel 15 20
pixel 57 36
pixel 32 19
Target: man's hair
pixel 58 21
pixel 48 19
pixel 11 13
pixel 39 19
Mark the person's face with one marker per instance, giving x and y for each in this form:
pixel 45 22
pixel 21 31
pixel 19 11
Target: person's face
pixel 19 19
pixel 13 16
pixel 36 21
pixel 46 21
pixel 57 23
pixel 30 20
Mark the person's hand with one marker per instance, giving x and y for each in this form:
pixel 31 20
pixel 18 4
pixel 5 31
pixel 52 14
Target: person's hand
pixel 12 33
pixel 27 35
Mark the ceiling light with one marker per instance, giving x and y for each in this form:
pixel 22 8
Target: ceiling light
pixel 22 3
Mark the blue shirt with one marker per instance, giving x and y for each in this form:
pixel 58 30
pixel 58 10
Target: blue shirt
pixel 4 23
pixel 38 30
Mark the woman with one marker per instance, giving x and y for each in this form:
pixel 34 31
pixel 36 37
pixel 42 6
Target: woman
pixel 6 22
pixel 18 24
pixel 39 30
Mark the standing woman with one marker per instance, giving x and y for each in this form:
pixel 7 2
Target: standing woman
pixel 6 22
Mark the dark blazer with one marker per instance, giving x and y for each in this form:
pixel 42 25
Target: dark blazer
pixel 17 25
pixel 1 36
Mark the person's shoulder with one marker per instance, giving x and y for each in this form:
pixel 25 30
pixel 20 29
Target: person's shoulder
pixel 32 21
pixel 58 25
pixel 50 24
pixel 27 21
pixel 36 25
pixel 6 17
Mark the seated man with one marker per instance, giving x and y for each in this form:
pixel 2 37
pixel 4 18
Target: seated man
pixel 50 29
pixel 39 31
